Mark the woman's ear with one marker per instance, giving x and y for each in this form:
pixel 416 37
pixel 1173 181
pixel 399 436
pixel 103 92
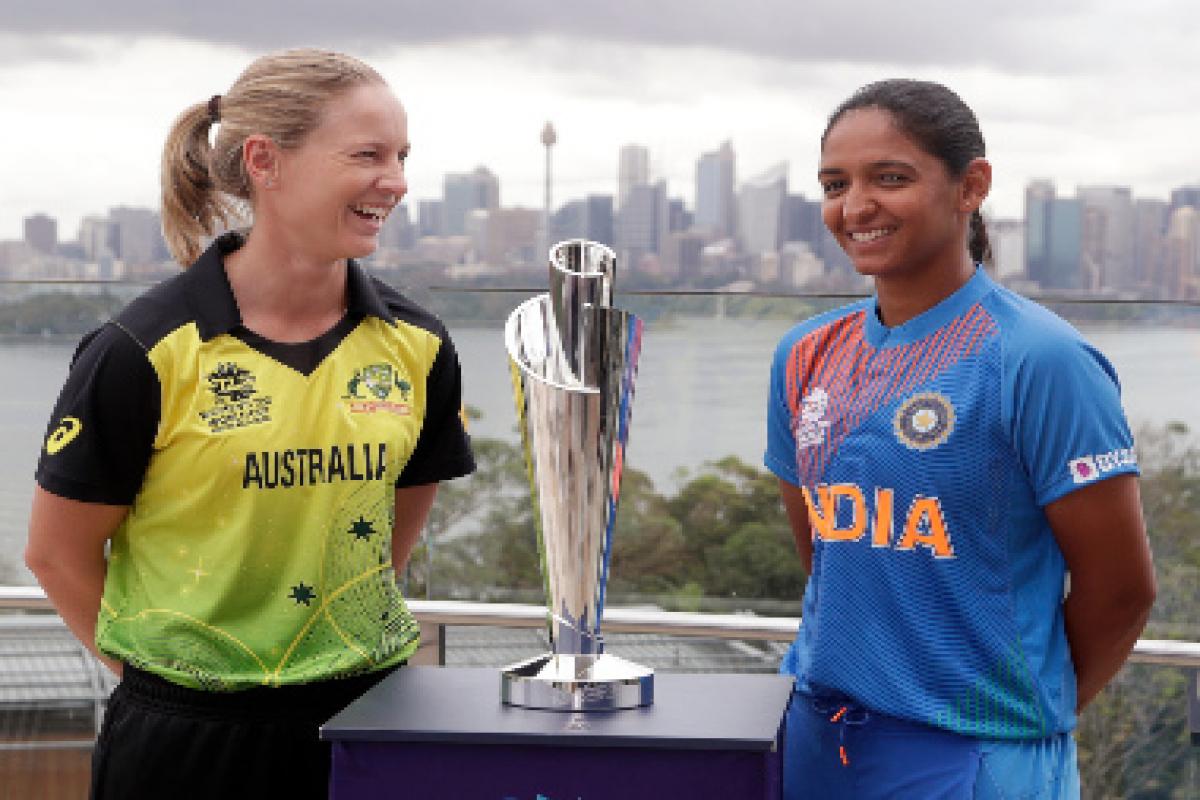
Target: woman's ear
pixel 975 184
pixel 260 155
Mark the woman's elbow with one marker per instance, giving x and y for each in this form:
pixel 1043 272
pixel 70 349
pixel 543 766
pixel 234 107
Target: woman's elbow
pixel 1133 598
pixel 39 559
pixel 1146 592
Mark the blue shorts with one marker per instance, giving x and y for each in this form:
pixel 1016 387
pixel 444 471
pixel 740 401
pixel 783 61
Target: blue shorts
pixel 834 749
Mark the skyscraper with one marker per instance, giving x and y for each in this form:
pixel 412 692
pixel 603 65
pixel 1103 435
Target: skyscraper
pixel 1007 239
pixel 570 221
pixel 1186 196
pixel 760 211
pixel 1064 239
pixel 398 231
pixel 97 238
pixel 715 208
pixel 1149 236
pixel 1108 232
pixel 506 237
pixel 465 192
pixel 590 218
pixel 802 221
pixel 600 218
pixel 41 233
pixel 633 169
pixel 1038 196
pixel 1181 278
pixel 139 239
pixel 678 217
pixel 642 223
pixel 1054 231
pixel 431 218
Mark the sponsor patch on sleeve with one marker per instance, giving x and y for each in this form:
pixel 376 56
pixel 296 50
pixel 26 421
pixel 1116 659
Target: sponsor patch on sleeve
pixel 1086 469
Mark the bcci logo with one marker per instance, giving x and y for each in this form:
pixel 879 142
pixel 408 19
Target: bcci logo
pixel 924 421
pixel 235 403
pixel 378 387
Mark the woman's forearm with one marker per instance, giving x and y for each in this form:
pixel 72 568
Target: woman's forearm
pixel 1102 628
pixel 65 552
pixel 75 587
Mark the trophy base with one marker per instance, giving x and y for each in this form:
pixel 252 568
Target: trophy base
pixel 558 682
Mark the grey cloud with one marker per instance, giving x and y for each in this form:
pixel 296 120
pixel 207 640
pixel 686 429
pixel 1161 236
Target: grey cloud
pixel 1014 35
pixel 17 50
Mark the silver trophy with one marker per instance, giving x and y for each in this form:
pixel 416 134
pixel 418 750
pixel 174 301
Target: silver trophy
pixel 573 359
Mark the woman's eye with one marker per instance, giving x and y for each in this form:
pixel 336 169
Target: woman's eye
pixel 832 187
pixel 365 154
pixel 893 178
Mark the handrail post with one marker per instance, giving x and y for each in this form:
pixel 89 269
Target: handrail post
pixel 432 651
pixel 1193 695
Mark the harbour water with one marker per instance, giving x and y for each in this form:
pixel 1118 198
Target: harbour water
pixel 701 395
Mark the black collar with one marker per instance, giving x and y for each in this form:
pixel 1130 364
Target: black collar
pixel 215 309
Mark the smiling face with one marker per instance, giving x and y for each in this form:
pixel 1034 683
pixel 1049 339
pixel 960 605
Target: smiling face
pixel 330 196
pixel 894 208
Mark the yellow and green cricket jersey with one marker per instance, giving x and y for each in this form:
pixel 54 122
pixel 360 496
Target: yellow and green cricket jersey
pixel 260 478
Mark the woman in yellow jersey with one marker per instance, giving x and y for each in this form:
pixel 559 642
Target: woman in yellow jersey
pixel 241 461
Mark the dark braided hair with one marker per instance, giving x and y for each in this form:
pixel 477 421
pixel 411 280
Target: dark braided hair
pixel 939 122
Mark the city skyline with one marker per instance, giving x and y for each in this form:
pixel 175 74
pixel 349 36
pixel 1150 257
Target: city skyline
pixel 1088 93
pixel 1101 240
pixel 488 190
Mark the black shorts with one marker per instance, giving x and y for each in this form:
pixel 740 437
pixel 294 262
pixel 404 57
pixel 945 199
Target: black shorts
pixel 161 741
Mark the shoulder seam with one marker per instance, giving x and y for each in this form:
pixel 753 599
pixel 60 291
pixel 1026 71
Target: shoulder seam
pixel 119 326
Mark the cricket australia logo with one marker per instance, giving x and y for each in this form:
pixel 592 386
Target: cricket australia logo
pixel 236 401
pixel 378 387
pixel 811 425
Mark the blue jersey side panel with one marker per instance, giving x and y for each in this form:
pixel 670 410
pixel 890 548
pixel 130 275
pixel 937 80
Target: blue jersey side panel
pixel 926 454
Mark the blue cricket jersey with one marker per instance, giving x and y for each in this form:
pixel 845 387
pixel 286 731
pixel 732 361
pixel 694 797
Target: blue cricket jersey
pixel 926 453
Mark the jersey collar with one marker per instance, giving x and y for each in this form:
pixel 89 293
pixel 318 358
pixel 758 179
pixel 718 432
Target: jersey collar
pixel 880 336
pixel 216 310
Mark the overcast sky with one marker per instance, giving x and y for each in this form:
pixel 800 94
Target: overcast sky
pixel 1099 92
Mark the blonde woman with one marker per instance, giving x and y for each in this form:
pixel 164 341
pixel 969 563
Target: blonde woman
pixel 241 461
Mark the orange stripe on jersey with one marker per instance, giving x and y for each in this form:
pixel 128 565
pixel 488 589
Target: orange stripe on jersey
pixel 835 339
pixel 838 350
pixel 837 359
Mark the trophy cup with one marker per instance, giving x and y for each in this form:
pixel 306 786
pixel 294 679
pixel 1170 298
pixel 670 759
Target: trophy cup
pixel 573 359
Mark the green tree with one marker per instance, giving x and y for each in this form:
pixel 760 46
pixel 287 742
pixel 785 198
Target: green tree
pixel 648 543
pixel 479 540
pixel 739 542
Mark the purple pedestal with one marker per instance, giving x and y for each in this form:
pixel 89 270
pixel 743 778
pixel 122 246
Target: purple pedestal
pixel 434 733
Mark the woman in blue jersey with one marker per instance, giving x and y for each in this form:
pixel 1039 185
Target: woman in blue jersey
pixel 947 453
pixel 241 461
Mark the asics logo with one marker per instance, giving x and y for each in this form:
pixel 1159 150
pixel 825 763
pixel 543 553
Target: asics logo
pixel 68 428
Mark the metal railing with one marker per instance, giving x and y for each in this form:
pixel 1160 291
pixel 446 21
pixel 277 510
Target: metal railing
pixel 437 614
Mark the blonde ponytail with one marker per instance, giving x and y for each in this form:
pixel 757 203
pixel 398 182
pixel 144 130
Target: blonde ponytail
pixel 192 205
pixel 205 186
